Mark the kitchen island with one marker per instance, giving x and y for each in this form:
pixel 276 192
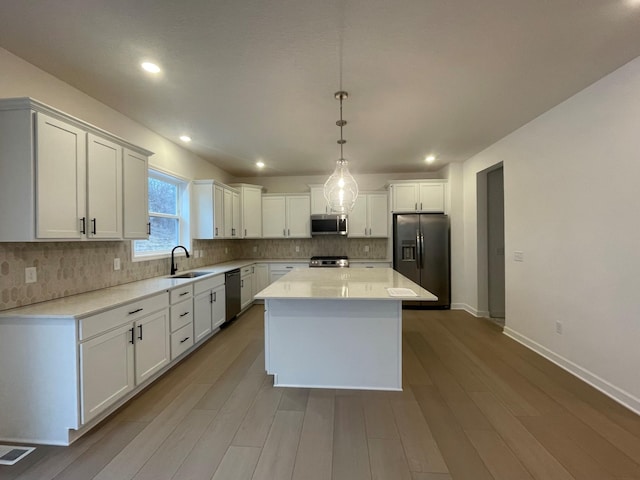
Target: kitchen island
pixel 337 327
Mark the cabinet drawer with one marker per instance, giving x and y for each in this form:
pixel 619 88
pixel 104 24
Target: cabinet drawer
pixel 181 293
pixel 181 314
pixel 208 284
pixel 105 321
pixel 246 270
pixel 181 340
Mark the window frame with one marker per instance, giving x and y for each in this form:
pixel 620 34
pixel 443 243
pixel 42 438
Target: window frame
pixel 182 215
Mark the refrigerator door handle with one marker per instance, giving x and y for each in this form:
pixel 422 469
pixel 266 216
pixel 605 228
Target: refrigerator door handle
pixel 421 248
pixel 418 251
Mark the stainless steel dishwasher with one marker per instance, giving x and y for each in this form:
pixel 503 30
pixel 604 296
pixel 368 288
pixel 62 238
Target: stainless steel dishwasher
pixel 232 293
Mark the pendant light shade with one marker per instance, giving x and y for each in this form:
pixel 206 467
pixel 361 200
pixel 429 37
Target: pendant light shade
pixel 341 189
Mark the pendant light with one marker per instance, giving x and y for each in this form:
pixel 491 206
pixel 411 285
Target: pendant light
pixel 341 189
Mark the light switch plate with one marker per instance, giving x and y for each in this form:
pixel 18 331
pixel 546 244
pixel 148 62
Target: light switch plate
pixel 30 275
pixel 518 256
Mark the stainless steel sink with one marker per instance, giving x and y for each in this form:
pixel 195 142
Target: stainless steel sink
pixel 191 275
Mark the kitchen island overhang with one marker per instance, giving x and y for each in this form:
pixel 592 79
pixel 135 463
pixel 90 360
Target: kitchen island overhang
pixel 337 328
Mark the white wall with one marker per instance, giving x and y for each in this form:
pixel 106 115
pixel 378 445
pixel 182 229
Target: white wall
pixel 21 79
pixel 572 205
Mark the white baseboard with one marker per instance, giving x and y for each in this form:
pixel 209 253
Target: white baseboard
pixel 622 397
pixel 469 309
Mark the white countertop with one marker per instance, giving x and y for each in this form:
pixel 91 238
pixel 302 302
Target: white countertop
pixel 343 283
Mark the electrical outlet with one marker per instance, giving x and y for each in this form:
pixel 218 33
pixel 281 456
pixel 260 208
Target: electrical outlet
pixel 30 275
pixel 518 256
pixel 255 248
pixel 366 248
pixel 297 248
pixel 559 327
pixel 226 250
pixel 196 254
pixel 116 264
pixel 201 253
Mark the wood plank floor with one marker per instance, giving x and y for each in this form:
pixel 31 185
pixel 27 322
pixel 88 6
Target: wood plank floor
pixel 476 405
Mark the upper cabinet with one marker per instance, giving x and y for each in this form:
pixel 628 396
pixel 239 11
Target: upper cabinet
pixel 62 179
pixel 318 202
pixel 418 196
pixel 250 210
pixel 286 216
pixel 215 212
pixel 369 217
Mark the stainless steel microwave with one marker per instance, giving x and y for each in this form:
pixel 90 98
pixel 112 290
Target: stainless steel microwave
pixel 329 224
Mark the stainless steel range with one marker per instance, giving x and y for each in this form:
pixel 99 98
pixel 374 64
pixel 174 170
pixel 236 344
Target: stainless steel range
pixel 340 261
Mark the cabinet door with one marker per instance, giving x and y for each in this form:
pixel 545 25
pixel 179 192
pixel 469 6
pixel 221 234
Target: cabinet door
pixel 228 213
pixel 106 363
pixel 235 214
pixel 298 216
pixel 405 197
pixel 274 217
pixel 357 225
pixel 218 306
pixel 135 186
pixel 431 197
pixel 378 215
pixel 260 278
pixel 218 211
pixel 152 350
pixel 318 202
pixel 202 315
pixel 60 179
pixel 104 188
pixel 252 212
pixel 246 291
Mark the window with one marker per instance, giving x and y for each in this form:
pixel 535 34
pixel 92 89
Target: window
pixel 168 215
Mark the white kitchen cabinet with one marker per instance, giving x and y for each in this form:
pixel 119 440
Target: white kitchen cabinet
pixel 318 201
pixel 235 214
pixel 278 270
pixel 286 216
pixel 107 365
pixel 61 177
pixel 369 217
pixel 260 277
pixel 250 210
pixel 418 196
pixel 209 306
pixel 246 286
pixel 135 187
pixel 60 184
pixel 119 349
pixel 215 210
pixel 104 188
pixel 152 350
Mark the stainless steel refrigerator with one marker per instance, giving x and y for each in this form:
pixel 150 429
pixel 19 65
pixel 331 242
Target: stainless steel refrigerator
pixel 421 253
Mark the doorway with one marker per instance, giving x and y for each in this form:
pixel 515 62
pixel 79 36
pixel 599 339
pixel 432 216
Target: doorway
pixel 491 250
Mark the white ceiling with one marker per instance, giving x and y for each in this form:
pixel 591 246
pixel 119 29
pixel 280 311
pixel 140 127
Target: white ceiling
pixel 252 79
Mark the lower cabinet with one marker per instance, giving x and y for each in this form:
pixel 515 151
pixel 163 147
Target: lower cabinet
pixel 182 315
pixel 246 286
pixel 118 358
pixel 208 306
pixel 260 277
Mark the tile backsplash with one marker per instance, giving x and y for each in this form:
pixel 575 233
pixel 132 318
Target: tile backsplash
pixel 68 268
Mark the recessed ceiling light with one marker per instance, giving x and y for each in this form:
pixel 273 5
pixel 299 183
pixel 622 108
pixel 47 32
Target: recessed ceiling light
pixel 185 138
pixel 260 164
pixel 430 158
pixel 150 67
